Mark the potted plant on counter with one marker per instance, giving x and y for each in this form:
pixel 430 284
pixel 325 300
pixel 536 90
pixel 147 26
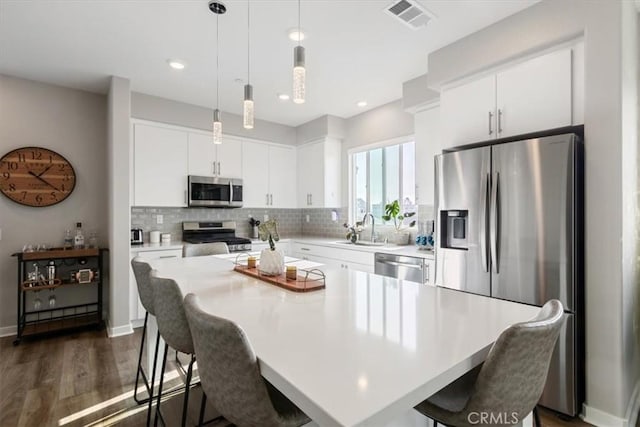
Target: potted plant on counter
pixel 392 212
pixel 271 259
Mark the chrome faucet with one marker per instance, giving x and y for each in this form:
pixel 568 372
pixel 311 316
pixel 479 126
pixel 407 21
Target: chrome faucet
pixel 373 225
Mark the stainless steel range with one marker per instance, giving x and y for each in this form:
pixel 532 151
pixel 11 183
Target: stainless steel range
pixel 209 232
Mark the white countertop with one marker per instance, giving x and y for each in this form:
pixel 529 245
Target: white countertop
pixel 364 350
pixel 407 250
pixel 156 246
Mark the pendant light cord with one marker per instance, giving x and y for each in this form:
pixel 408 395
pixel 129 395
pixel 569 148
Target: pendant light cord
pixel 217 61
pixel 299 31
pixel 248 42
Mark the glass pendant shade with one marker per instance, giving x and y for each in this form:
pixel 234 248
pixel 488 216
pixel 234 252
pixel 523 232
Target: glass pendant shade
pixel 217 127
pixel 298 75
pixel 248 107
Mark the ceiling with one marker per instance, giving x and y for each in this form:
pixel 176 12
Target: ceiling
pixel 354 50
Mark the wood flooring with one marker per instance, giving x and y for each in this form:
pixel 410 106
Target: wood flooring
pixel 86 379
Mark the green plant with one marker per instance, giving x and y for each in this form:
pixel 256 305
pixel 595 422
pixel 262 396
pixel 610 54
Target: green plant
pixel 268 230
pixel 392 212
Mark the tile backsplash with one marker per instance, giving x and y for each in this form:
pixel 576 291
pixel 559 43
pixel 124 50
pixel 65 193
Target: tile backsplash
pixel 291 222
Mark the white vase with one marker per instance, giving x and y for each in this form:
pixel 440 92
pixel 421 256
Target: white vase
pixel 271 262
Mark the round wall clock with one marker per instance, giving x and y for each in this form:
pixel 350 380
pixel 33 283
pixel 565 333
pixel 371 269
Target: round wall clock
pixel 34 176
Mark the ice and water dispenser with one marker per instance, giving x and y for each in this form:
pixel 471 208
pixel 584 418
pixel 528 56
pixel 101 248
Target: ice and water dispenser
pixel 454 229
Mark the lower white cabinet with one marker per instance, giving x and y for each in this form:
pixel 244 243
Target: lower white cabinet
pixel 341 258
pixel 283 245
pixel 136 310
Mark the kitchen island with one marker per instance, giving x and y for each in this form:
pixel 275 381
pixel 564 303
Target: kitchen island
pixel 364 350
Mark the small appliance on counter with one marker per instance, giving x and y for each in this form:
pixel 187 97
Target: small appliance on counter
pixel 136 236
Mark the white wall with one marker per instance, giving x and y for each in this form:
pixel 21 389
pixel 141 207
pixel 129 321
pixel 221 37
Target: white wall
pixel 119 170
pixel 613 360
pixel 163 110
pixel 68 121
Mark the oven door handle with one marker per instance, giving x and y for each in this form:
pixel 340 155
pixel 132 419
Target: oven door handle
pixel 230 192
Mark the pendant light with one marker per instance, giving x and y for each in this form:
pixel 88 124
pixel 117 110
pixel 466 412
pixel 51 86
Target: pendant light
pixel 298 68
pixel 218 8
pixel 247 110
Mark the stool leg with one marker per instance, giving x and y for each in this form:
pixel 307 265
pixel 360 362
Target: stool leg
pixel 140 370
pixel 187 387
pixel 164 364
pixel 153 378
pixel 536 417
pixel 203 405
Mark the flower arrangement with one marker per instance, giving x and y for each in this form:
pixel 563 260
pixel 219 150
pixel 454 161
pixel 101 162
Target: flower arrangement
pixel 353 231
pixel 269 231
pixel 392 212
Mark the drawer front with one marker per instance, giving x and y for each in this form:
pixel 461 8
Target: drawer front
pixel 150 255
pixel 359 257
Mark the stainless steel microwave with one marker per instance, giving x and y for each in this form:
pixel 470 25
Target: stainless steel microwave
pixel 214 192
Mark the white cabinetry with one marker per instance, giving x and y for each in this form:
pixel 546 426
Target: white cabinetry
pixel 160 166
pixel 283 245
pixel 209 159
pixel 428 144
pixel 320 174
pixel 341 258
pixel 136 310
pixel 269 175
pixel 532 96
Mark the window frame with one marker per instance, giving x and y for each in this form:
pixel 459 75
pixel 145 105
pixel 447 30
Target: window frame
pixel 367 148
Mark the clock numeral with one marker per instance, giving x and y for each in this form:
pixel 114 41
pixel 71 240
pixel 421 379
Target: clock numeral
pixel 39 199
pixel 12 187
pixel 12 166
pixel 66 177
pixel 36 155
pixel 61 187
pixel 50 159
pixel 61 167
pixel 54 196
pixel 24 195
pixel 22 158
pixel 6 175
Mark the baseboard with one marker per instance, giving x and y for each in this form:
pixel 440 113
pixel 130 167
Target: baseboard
pixel 602 419
pixel 634 406
pixel 138 323
pixel 7 331
pixel 119 331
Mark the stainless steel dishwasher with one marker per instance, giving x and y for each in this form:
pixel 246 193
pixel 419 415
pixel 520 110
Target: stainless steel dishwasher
pixel 402 267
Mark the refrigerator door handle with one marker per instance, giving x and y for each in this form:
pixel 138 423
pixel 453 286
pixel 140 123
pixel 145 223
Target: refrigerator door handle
pixel 494 221
pixel 483 224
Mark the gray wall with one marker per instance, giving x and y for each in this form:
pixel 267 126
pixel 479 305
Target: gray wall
pixel 613 359
pixel 163 110
pixel 72 123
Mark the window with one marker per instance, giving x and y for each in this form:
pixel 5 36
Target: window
pixel 382 175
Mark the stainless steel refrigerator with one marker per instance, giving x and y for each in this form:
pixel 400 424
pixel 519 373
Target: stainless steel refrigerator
pixel 509 226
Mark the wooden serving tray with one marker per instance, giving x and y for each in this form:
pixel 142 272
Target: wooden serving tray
pixel 301 284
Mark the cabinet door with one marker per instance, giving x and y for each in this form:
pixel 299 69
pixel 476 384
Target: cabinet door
pixel 468 112
pixel 311 175
pixel 202 154
pixel 160 166
pixel 535 95
pixel 255 174
pixel 229 158
pixel 428 144
pixel 282 177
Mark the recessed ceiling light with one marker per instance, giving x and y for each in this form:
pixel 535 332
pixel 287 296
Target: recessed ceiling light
pixel 362 104
pixel 283 97
pixel 175 64
pixel 294 34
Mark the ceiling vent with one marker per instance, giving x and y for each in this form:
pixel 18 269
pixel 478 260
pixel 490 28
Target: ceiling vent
pixel 410 13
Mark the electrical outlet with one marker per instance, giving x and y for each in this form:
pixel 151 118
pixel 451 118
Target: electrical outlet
pixel 266 217
pixel 307 218
pixel 0 233
pixel 159 219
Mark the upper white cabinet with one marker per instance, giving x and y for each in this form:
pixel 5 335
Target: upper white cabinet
pixel 531 96
pixel 269 176
pixel 209 159
pixel 428 144
pixel 160 166
pixel 320 174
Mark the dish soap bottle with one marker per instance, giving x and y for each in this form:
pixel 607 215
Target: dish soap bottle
pixel 78 241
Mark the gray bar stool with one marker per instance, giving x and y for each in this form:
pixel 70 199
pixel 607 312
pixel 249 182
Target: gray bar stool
pixel 174 329
pixel 230 374
pixel 200 249
pixel 508 385
pixel 141 271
